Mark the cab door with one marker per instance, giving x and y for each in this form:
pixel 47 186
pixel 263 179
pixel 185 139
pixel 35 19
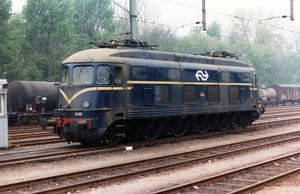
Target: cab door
pixel 119 95
pixel 255 89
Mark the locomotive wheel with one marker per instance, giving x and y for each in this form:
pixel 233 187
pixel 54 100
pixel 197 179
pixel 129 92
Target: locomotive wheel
pixel 224 123
pixel 23 120
pixel 111 137
pixel 37 120
pixel 244 121
pixel 201 125
pixel 263 109
pixel 179 128
pixel 150 132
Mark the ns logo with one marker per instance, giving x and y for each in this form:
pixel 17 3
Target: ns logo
pixel 201 75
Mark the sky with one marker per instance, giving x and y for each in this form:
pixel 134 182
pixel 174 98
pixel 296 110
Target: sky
pixel 182 15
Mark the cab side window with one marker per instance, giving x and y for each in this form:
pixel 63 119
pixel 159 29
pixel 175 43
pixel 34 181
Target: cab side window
pixel 65 75
pixel 118 75
pixel 139 73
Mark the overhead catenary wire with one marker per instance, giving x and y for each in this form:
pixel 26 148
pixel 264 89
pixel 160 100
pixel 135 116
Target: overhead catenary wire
pixel 233 16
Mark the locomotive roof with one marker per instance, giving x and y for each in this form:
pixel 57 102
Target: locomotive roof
pixel 125 55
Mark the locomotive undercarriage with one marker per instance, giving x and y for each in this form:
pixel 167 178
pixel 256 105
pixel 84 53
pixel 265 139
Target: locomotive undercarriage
pixel 151 129
pixel 27 118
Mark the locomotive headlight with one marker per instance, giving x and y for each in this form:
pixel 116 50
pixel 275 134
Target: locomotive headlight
pixel 85 104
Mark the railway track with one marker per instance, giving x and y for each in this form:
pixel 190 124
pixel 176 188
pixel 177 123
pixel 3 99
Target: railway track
pixel 20 136
pixel 26 136
pixel 50 154
pixel 243 180
pixel 280 112
pixel 46 139
pixel 110 174
pixel 71 182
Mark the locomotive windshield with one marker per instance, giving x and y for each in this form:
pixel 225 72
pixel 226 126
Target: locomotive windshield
pixel 83 75
pixel 102 74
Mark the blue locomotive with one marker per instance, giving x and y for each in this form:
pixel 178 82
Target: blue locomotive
pixel 126 88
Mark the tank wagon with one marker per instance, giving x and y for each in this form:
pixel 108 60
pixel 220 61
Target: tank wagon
pixel 31 100
pixel 127 89
pixel 267 96
pixel 279 94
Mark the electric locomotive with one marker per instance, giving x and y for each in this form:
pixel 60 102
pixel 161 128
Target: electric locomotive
pixel 126 88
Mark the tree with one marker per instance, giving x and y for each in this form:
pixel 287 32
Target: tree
pixel 214 30
pixel 295 42
pixel 164 38
pixel 93 18
pixel 15 69
pixel 5 14
pixel 196 31
pixel 241 27
pixel 264 47
pixel 148 29
pixel 50 33
pixel 198 44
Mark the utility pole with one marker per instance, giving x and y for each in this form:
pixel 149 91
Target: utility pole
pixel 204 15
pixel 133 21
pixel 292 10
pixel 133 16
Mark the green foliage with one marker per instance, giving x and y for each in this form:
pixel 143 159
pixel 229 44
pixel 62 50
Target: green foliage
pixel 17 49
pixel 48 24
pixel 165 38
pixel 214 30
pixel 263 47
pixel 5 12
pixel 196 31
pixel 5 57
pixel 198 44
pixel 93 18
pixel 49 29
pixel 34 43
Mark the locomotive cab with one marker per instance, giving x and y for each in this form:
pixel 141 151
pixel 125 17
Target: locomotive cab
pixel 91 99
